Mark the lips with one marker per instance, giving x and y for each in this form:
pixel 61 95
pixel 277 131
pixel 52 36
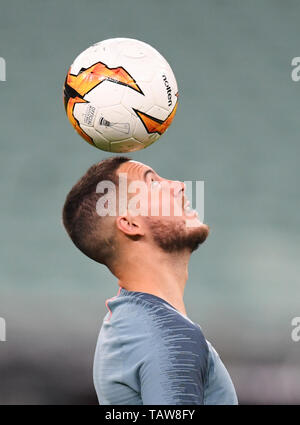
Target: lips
pixel 185 204
pixel 188 210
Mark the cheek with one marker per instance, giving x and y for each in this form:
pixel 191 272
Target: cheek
pixel 162 204
pixel 154 203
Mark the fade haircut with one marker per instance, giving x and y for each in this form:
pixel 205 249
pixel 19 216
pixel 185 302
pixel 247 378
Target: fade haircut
pixel 85 227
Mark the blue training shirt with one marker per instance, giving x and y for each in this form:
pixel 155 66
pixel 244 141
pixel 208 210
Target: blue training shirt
pixel 149 353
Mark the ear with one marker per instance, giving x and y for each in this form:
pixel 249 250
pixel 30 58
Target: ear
pixel 129 225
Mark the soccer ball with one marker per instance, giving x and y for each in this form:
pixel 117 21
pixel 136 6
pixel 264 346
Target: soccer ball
pixel 120 95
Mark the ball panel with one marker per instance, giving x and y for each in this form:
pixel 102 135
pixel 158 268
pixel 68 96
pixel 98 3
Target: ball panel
pixel 115 123
pixel 127 145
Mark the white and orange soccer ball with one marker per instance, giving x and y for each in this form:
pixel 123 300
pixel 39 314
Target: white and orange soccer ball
pixel 120 95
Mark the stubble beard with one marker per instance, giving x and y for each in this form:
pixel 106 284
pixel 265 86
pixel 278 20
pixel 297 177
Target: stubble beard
pixel 176 236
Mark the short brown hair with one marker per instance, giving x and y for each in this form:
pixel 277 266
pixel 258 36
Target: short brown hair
pixel 80 217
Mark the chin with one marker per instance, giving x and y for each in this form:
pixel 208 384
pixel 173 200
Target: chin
pixel 178 235
pixel 196 232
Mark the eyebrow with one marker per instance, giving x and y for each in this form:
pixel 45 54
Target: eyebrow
pixel 147 172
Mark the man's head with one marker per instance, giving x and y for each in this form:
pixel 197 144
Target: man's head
pixel 151 212
pixel 92 234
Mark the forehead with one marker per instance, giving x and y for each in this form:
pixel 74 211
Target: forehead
pixel 134 169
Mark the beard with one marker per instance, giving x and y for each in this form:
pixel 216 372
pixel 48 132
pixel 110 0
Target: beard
pixel 176 236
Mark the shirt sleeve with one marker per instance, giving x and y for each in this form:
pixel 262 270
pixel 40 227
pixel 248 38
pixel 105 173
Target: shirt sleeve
pixel 174 366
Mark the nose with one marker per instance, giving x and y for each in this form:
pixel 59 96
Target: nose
pixel 183 186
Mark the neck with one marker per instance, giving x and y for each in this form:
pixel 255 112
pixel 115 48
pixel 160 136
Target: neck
pixel 157 273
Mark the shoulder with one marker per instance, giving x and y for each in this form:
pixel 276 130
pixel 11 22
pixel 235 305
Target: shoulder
pixel 162 351
pixel 153 325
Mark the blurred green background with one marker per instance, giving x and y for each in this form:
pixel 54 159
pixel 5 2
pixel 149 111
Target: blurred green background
pixel 236 128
